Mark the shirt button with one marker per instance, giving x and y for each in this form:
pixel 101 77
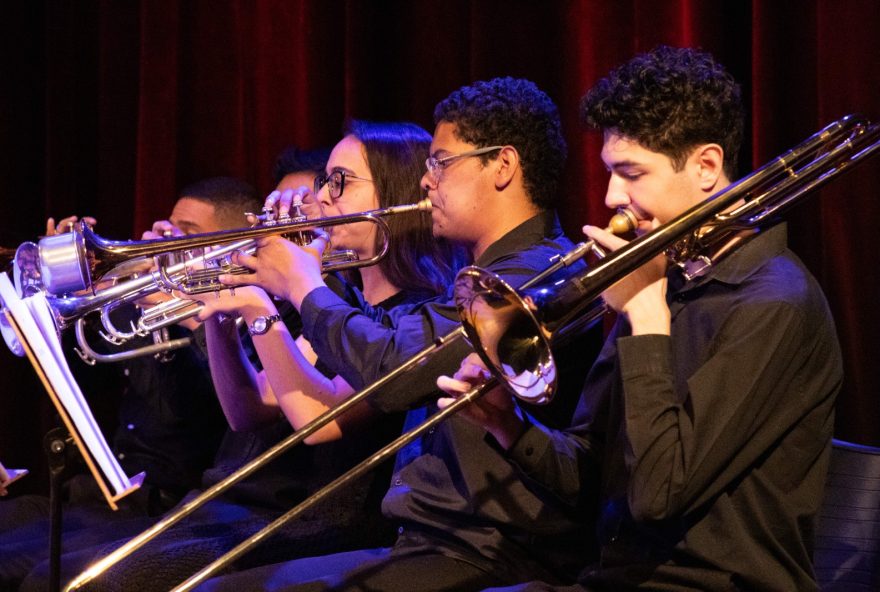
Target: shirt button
pixel 529 451
pixel 126 371
pixel 400 530
pixel 431 431
pixel 398 482
pixel 121 456
pixel 130 426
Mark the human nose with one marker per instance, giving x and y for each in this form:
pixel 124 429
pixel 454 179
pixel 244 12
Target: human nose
pixel 616 195
pixel 428 181
pixel 323 196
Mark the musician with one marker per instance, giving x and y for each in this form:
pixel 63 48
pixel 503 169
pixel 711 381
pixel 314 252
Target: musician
pixel 710 410
pixel 169 423
pixel 465 520
pixel 375 165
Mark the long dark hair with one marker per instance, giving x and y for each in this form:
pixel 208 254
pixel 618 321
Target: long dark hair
pixel 396 153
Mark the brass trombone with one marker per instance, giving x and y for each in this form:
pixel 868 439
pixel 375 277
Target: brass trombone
pixel 512 329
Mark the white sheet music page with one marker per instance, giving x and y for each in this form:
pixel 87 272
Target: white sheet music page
pixel 34 319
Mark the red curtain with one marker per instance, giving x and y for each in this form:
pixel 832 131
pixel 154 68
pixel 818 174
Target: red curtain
pixel 109 107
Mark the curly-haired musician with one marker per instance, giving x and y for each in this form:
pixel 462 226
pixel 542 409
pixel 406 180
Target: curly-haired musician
pixel 465 520
pixel 709 413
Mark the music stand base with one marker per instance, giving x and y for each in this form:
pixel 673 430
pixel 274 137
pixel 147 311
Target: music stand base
pixel 58 445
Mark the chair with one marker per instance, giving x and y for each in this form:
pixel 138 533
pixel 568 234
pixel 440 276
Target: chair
pixel 847 553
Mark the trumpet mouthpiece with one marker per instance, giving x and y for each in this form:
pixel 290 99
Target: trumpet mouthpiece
pixel 424 205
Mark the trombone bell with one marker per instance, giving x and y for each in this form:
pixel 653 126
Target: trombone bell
pixel 500 325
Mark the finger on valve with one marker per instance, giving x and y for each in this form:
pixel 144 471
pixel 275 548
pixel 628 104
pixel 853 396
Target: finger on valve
pixel 67 224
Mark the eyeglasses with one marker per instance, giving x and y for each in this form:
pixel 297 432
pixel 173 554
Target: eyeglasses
pixel 335 182
pixel 436 165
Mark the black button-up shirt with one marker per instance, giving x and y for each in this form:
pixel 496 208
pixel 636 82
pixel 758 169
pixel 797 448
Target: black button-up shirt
pixel 453 492
pixel 713 442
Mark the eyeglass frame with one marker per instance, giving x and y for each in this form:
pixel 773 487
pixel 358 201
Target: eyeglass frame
pixel 321 180
pixel 436 165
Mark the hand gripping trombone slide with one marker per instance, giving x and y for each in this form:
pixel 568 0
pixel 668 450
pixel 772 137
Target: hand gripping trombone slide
pixel 496 318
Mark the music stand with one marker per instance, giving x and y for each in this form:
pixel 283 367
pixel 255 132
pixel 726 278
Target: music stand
pixel 30 320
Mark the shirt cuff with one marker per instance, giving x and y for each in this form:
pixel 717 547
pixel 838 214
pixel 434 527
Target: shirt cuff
pixel 529 448
pixel 642 355
pixel 313 305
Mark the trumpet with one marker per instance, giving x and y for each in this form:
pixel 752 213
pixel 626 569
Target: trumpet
pixel 511 329
pixel 65 264
pixel 68 261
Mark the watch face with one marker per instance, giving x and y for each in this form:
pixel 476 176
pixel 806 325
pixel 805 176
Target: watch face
pixel 260 325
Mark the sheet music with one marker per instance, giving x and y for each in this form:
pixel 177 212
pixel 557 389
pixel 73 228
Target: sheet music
pixel 33 316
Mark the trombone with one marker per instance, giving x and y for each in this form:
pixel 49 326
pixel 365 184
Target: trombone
pixel 512 329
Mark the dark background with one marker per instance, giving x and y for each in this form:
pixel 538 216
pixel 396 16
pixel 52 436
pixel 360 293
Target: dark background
pixel 107 108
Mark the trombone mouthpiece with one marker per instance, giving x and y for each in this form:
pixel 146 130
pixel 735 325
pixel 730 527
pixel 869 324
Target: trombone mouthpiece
pixel 424 205
pixel 622 222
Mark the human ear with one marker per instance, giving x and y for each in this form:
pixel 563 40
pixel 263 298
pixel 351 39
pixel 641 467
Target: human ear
pixel 709 162
pixel 506 165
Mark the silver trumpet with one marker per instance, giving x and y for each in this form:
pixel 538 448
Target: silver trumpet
pixel 72 267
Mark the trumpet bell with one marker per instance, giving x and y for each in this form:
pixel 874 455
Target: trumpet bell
pixel 501 326
pixel 64 263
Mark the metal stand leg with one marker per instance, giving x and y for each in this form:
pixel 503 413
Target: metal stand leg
pixel 57 444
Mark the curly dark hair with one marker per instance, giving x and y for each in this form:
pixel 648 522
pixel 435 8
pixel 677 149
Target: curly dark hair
pixel 514 112
pixel 670 100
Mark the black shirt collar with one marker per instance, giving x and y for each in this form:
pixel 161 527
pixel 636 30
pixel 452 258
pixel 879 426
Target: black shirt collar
pixel 530 232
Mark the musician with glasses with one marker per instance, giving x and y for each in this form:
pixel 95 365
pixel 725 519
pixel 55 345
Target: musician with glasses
pixel 374 165
pixel 465 520
pixel 710 410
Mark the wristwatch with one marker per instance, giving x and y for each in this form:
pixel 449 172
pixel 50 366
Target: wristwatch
pixel 261 324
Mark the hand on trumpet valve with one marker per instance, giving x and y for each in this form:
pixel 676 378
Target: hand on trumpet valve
pixel 641 295
pixel 281 267
pixel 496 411
pixel 278 205
pixel 66 224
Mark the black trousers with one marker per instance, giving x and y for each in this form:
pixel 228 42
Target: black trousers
pixel 367 570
